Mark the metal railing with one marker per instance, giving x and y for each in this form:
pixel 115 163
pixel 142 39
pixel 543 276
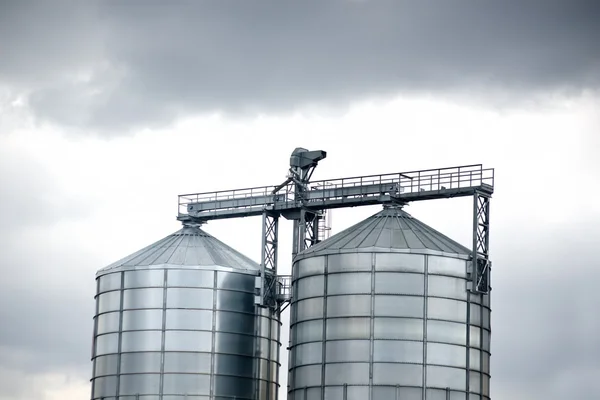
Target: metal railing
pixel 284 287
pixel 396 184
pixel 416 181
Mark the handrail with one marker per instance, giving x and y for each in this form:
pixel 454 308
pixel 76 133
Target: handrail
pixel 467 176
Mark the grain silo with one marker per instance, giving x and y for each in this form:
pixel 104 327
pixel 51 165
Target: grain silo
pixel 382 311
pixel 176 320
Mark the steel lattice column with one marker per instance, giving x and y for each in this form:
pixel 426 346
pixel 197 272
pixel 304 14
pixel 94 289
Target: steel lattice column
pixel 268 260
pixel 481 240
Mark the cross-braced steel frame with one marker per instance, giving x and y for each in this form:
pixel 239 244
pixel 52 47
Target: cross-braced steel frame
pixel 268 264
pixel 481 267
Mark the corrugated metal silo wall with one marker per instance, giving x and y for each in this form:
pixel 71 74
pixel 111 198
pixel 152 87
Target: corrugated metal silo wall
pixel 387 325
pixel 176 332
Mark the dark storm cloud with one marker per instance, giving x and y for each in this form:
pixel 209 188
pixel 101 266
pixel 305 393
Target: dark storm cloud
pixel 147 64
pixel 41 41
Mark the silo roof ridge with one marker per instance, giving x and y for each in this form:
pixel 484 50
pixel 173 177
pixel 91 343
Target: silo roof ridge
pixel 190 246
pixel 390 228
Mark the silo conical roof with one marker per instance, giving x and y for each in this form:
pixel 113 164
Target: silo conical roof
pixel 188 247
pixel 391 229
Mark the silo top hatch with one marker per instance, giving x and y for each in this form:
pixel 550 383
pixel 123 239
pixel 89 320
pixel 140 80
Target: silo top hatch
pixel 188 247
pixel 390 230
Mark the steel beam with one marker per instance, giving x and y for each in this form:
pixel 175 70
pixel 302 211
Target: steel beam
pixel 338 193
pixel 328 204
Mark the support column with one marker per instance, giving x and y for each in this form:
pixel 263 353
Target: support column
pixel 481 267
pixel 268 259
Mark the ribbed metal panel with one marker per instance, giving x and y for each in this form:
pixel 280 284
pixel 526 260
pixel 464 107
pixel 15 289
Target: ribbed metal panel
pixel 190 246
pixel 392 229
pixel 178 319
pixel 381 311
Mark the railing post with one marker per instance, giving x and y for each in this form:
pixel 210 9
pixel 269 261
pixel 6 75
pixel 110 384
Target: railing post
pixel 345 395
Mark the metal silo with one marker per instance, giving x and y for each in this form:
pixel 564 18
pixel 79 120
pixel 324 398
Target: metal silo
pixel 382 311
pixel 176 320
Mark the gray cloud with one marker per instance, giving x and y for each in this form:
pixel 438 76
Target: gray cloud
pixel 32 196
pixel 147 65
pixel 46 315
pixel 43 327
pixel 42 41
pixel 544 320
pixel 46 298
pixel 46 312
pixel 46 307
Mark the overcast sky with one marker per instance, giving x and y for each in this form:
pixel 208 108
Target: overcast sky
pixel 110 109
